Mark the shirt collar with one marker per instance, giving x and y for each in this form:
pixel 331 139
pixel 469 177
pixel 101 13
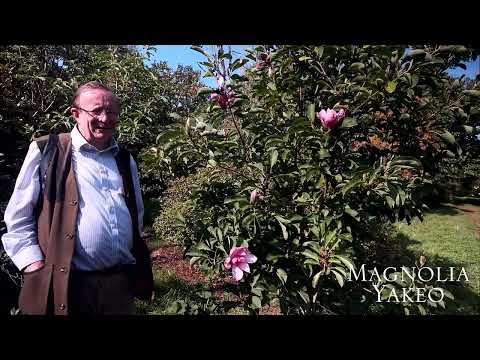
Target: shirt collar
pixel 79 143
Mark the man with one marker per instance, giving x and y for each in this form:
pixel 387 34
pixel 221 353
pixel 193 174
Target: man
pixel 74 229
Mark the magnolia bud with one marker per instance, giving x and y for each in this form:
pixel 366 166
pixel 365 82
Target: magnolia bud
pixel 253 197
pixel 263 57
pixel 423 260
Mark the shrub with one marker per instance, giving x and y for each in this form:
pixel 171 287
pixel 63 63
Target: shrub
pixel 309 181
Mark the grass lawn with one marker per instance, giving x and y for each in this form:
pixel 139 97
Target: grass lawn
pixel 168 288
pixel 447 237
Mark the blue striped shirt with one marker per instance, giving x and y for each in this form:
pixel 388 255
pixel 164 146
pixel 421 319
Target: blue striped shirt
pixel 104 227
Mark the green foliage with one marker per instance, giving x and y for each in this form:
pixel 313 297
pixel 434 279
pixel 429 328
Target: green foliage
pixel 38 83
pixel 174 206
pixel 318 189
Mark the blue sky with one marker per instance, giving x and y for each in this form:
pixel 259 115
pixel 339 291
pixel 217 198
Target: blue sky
pixel 182 54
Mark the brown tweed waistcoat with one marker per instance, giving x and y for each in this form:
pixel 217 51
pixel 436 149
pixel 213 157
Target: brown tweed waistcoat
pixel 46 290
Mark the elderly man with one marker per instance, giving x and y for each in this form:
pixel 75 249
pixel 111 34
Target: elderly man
pixel 74 220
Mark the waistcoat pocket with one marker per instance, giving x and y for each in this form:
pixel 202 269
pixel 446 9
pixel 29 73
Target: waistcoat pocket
pixel 34 293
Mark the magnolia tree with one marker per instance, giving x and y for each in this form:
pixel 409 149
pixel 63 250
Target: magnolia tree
pixel 310 147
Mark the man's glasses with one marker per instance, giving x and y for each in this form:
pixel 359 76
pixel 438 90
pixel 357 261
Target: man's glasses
pixel 99 112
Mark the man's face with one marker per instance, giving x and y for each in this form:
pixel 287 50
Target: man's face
pixel 96 114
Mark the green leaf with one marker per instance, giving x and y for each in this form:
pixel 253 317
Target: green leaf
pixel 390 202
pixel 196 253
pixel 351 184
pixel 295 218
pixel 282 275
pixel 357 66
pixel 239 199
pixel 194 259
pixel 310 262
pixel 272 86
pixel 312 255
pixel 255 279
pixel 468 129
pixel 219 235
pixel 417 53
pixel 166 136
pixel 304 296
pixel 248 219
pixel 273 158
pixel 204 90
pixel 346 261
pixel 238 64
pixel 284 229
pixel 324 153
pixel 315 280
pixel 256 302
pixel 282 219
pixel 448 137
pixel 449 154
pixel 391 86
pixel 225 56
pixel 448 294
pixel 174 116
pixel 473 93
pixel 405 160
pixel 319 51
pixel 351 212
pixel 415 80
pixel 202 246
pixel 311 112
pixel 349 122
pixel 339 277
pixel 257 291
pixel 200 50
pixel 422 310
pixel 274 257
pixel 442 303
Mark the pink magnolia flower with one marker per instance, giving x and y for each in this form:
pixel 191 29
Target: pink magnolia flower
pixel 223 99
pixel 263 60
pixel 238 261
pixel 331 118
pixel 253 197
